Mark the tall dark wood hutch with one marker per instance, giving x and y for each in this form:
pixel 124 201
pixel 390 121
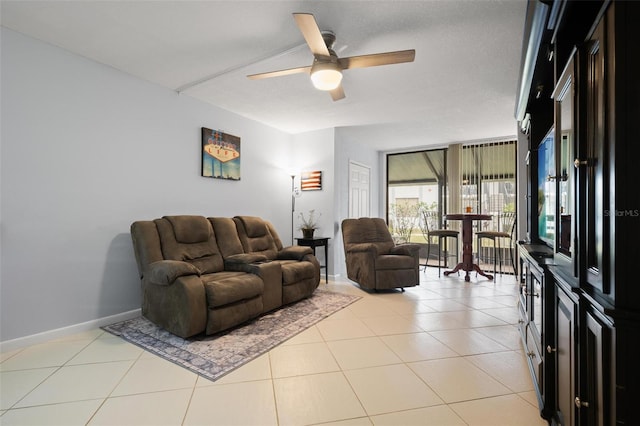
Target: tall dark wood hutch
pixel 578 110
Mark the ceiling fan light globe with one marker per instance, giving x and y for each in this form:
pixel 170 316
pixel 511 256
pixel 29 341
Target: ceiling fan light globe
pixel 325 76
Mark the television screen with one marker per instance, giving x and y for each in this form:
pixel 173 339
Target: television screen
pixel 546 190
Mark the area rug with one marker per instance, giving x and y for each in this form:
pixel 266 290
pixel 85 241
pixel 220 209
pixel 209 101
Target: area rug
pixel 216 355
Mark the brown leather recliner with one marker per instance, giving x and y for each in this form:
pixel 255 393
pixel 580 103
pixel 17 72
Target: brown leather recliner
pixel 373 260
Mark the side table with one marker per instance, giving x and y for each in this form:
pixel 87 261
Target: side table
pixel 318 242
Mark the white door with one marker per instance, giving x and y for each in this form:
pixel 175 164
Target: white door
pixel 359 190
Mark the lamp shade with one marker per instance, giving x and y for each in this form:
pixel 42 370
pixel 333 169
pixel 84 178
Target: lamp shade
pixel 325 75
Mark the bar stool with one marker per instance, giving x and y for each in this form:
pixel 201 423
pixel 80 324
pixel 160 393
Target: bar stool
pixel 506 221
pixel 429 230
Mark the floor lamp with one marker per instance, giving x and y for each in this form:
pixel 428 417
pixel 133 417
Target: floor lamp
pixel 293 203
pixel 295 193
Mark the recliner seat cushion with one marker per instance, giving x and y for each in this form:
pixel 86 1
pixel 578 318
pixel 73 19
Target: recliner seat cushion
pixel 294 271
pixel 225 288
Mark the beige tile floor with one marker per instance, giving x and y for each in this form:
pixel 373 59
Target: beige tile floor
pixel 443 353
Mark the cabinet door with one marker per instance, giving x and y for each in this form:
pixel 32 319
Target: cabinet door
pixel 535 289
pixel 565 97
pixel 565 356
pixel 592 160
pixel 594 395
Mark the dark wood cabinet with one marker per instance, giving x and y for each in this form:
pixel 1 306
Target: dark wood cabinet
pixel 591 159
pixel 581 333
pixel 564 353
pixel 594 399
pixel 533 292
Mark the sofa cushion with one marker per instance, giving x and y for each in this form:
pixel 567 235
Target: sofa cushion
pixel 226 236
pixel 254 226
pixel 202 251
pixel 255 236
pixel 224 288
pixel 367 230
pixel 294 271
pixel 190 229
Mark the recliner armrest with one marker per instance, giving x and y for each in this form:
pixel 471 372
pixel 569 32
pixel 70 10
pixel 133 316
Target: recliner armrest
pixel 406 249
pixel 362 248
pixel 294 253
pixel 165 272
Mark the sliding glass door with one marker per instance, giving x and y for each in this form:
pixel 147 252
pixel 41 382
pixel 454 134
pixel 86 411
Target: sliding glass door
pixel 416 181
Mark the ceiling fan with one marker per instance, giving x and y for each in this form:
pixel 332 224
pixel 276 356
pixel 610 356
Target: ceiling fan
pixel 326 70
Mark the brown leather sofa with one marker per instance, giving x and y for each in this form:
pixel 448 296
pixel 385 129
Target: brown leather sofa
pixel 209 274
pixel 373 260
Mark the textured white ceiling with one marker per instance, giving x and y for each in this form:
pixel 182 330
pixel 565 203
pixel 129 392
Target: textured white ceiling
pixel 461 86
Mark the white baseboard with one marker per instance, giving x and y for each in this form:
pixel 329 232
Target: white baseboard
pixel 10 345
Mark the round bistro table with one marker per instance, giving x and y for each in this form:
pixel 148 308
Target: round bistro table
pixel 467 243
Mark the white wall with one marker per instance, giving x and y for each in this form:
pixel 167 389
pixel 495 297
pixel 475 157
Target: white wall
pixel 352 150
pixel 315 151
pixel 85 151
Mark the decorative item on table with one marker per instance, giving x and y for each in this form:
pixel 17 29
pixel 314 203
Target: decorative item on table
pixel 220 155
pixel 309 224
pixel 311 181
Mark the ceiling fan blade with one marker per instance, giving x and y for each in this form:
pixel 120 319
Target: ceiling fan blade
pixel 337 93
pixel 311 33
pixel 376 59
pixel 279 73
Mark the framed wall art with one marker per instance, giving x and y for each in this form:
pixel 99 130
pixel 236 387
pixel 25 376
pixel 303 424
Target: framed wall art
pixel 220 155
pixel 311 181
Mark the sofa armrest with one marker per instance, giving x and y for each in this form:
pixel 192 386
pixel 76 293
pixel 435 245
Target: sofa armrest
pixel 294 253
pixel 406 249
pixel 165 272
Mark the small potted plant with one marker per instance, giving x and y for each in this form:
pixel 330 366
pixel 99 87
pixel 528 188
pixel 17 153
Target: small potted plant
pixel 308 224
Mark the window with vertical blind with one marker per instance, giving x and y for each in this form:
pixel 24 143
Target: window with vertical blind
pixel 415 181
pixel 488 183
pixel 489 179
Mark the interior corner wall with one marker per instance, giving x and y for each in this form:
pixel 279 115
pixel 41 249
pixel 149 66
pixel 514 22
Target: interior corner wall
pixel 347 150
pixel 85 151
pixel 314 151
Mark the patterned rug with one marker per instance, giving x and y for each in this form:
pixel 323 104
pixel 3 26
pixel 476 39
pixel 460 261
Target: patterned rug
pixel 216 355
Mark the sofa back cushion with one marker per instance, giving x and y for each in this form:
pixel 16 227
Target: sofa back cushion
pixel 367 230
pixel 190 239
pixel 226 236
pixel 275 236
pixel 255 236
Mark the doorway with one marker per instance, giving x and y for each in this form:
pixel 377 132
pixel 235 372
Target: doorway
pixel 359 190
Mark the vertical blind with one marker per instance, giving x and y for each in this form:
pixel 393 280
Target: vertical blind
pixel 488 176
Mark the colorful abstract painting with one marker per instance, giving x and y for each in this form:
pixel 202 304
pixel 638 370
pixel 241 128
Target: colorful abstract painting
pixel 220 155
